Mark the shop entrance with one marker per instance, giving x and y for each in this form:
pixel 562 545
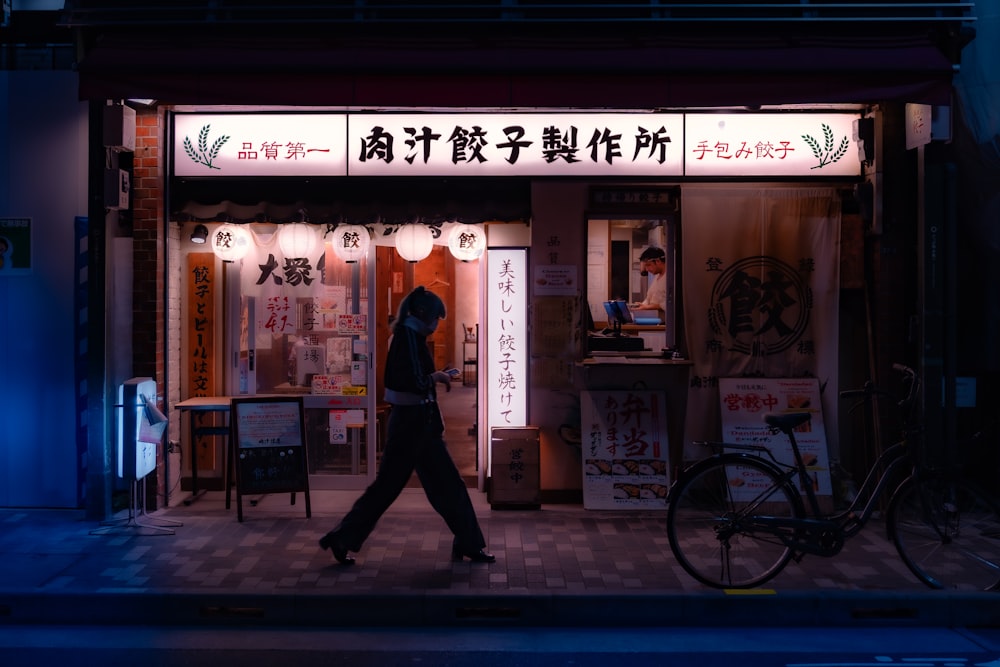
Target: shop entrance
pixel 454 346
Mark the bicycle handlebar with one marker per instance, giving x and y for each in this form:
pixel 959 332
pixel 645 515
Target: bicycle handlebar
pixel 870 390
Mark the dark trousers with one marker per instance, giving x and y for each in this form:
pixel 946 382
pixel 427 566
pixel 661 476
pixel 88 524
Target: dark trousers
pixel 414 442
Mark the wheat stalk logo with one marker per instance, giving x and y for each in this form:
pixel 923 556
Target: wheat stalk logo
pixel 825 153
pixel 205 155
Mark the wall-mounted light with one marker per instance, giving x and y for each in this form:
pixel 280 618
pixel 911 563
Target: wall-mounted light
pixel 467 242
pixel 414 241
pixel 351 242
pixel 199 235
pixel 297 240
pixel 231 242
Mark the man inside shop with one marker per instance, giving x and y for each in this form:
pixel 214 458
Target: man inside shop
pixel 652 262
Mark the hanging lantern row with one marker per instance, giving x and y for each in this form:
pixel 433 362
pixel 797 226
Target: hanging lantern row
pixel 467 242
pixel 297 239
pixel 230 242
pixel 351 242
pixel 413 241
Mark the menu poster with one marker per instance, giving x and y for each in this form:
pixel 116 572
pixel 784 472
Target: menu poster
pixel 624 449
pixel 338 354
pixel 269 446
pixel 268 424
pixel 745 401
pixel 331 303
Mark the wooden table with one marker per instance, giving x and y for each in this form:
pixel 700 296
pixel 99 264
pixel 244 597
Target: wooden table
pixel 199 405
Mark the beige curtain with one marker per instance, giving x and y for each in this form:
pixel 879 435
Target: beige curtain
pixel 761 293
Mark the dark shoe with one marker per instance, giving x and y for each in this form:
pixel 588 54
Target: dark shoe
pixel 480 556
pixel 332 542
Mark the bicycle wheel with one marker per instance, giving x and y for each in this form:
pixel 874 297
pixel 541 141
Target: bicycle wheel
pixel 710 521
pixel 947 532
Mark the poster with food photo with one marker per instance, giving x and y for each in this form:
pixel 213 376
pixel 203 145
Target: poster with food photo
pixel 624 443
pixel 745 401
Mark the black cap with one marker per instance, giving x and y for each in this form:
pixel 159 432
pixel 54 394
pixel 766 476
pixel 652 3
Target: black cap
pixel 652 252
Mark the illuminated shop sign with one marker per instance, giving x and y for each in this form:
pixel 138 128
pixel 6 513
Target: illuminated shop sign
pixel 770 145
pixel 516 144
pixel 506 342
pixel 666 145
pixel 260 145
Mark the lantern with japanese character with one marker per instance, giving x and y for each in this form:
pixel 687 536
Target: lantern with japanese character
pixel 351 242
pixel 230 242
pixel 467 242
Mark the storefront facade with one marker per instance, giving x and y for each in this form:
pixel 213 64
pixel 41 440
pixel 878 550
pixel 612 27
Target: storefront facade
pixel 803 226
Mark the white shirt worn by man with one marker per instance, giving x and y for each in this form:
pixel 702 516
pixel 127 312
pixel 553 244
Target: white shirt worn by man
pixel 656 294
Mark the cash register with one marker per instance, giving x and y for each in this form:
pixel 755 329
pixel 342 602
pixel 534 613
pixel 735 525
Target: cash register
pixel 612 339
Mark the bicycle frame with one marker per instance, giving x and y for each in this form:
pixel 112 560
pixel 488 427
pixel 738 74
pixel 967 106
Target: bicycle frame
pixel 811 533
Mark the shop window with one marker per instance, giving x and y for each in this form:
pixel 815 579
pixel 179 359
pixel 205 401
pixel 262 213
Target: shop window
pixel 617 271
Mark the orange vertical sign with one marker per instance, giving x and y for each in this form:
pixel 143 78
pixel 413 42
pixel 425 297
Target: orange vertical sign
pixel 201 342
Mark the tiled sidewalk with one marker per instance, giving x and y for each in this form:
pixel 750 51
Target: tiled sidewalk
pixel 560 565
pixel 556 548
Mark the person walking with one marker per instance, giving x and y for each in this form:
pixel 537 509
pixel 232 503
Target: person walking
pixel 415 441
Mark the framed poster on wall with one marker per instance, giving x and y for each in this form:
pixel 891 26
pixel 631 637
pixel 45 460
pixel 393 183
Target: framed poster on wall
pixel 624 449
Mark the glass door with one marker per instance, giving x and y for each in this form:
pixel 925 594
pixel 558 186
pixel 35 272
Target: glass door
pixel 308 335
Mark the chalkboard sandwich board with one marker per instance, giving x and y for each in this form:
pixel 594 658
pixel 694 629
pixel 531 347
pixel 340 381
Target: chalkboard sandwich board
pixel 269 447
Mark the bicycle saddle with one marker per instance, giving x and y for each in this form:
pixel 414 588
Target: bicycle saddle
pixel 786 422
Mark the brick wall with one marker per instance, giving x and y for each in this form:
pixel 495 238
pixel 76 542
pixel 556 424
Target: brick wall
pixel 148 261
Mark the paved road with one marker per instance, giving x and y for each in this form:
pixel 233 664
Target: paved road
pixel 69 646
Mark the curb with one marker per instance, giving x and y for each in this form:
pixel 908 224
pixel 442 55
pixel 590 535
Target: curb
pixel 647 609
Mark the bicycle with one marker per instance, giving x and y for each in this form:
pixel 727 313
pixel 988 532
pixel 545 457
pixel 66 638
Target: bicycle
pixel 730 533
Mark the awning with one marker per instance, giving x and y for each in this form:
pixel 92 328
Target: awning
pixel 362 200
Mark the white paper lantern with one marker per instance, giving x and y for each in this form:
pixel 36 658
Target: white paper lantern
pixel 414 242
pixel 467 242
pixel 351 242
pixel 230 242
pixel 297 240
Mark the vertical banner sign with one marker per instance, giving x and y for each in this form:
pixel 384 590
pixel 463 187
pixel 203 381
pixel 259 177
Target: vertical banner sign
pixel 200 372
pixel 506 347
pixel 624 449
pixel 745 401
pixel 761 294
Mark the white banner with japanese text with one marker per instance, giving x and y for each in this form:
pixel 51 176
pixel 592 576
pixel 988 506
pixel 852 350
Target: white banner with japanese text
pixel 761 271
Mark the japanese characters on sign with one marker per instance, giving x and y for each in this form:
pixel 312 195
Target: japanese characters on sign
pixel 201 325
pixel 624 449
pixel 487 144
pixel 200 372
pixel 506 345
pixel 745 401
pixel 268 424
pixel 259 144
pixel 770 145
pixel 516 144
